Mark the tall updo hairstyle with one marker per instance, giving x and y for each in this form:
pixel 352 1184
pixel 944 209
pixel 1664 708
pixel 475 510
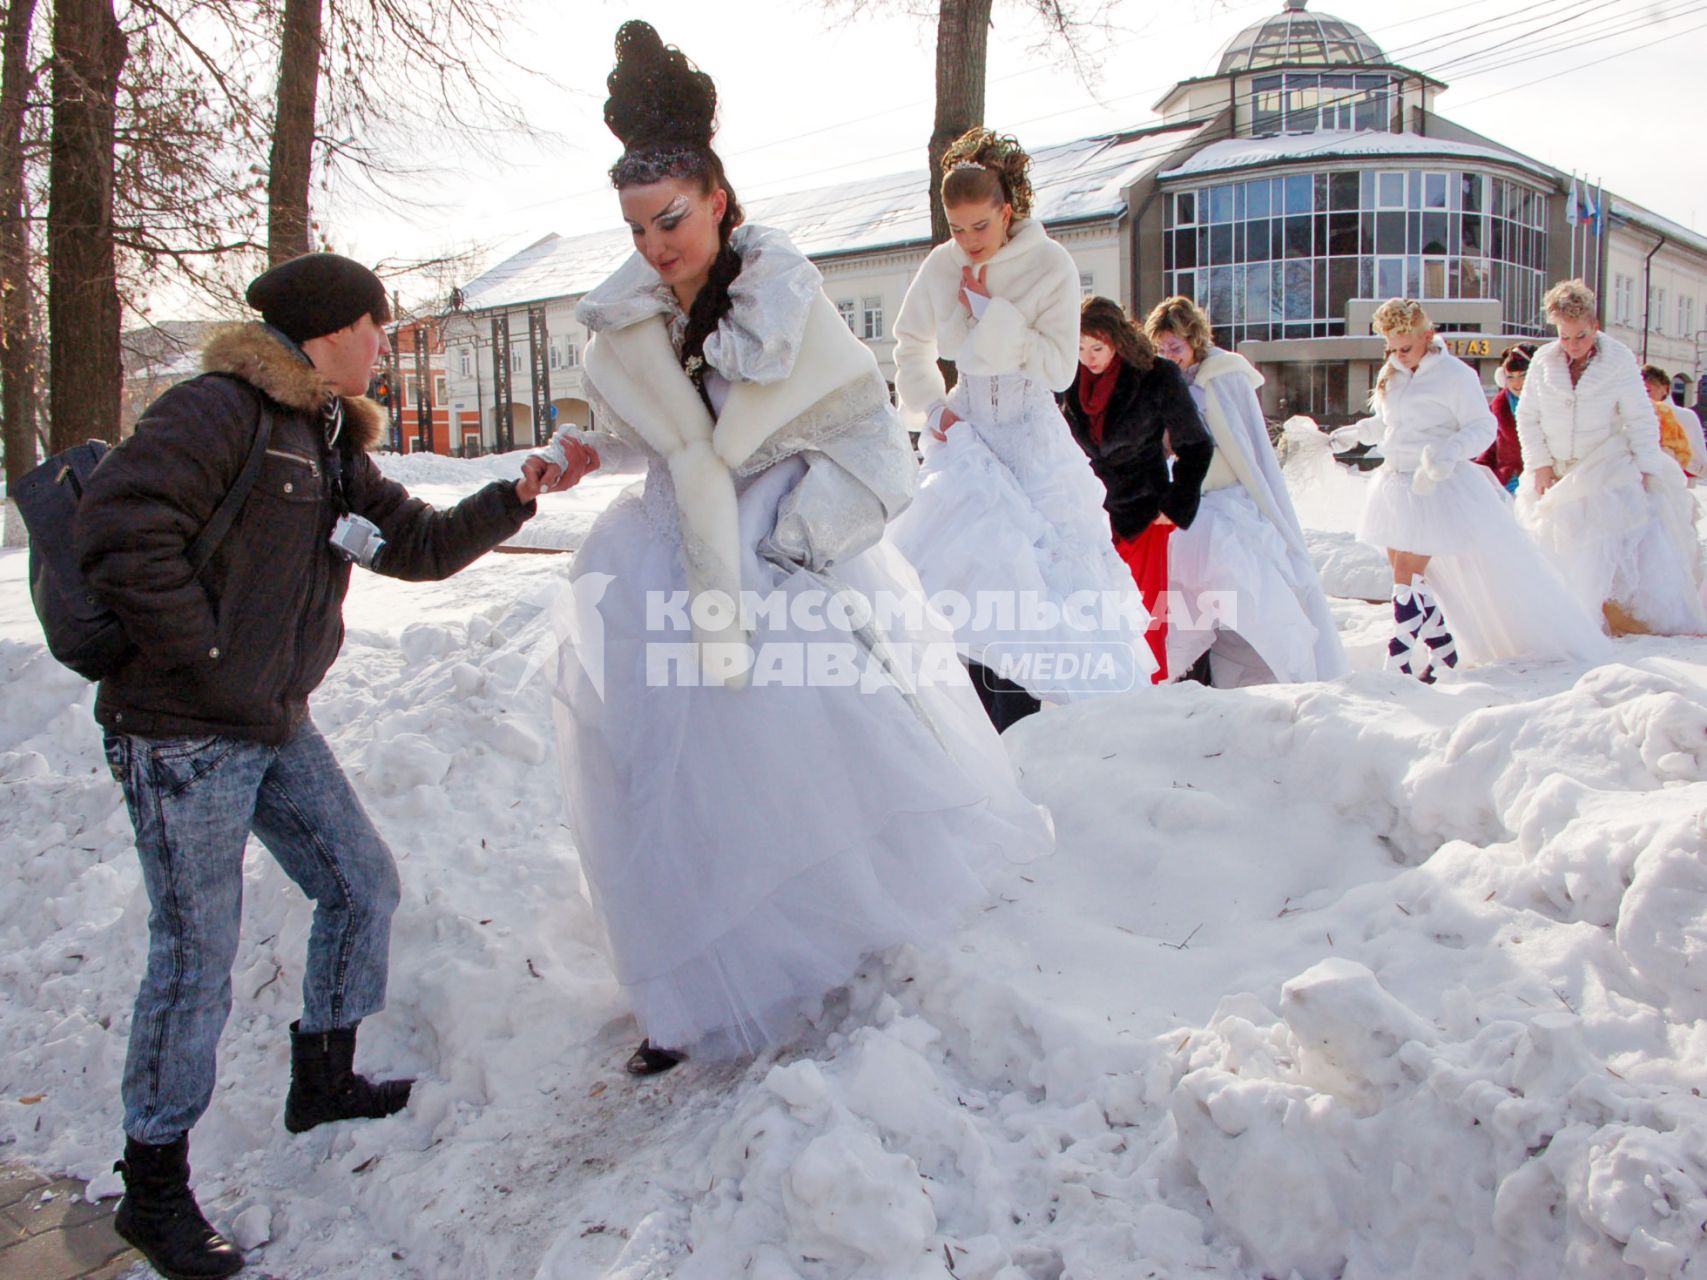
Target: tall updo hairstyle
pixel 1103 319
pixel 663 109
pixel 988 167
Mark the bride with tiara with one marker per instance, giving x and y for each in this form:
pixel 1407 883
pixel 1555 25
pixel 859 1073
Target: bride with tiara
pixel 752 822
pixel 1009 523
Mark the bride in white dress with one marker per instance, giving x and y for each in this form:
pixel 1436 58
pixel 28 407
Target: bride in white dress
pixel 1608 505
pixel 1465 577
pixel 760 801
pixel 1008 528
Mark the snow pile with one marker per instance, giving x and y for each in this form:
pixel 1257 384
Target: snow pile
pixel 1309 992
pixel 1363 979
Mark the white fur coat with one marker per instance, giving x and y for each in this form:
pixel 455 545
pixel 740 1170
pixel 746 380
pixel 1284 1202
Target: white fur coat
pixel 1031 325
pixel 825 397
pixel 1607 409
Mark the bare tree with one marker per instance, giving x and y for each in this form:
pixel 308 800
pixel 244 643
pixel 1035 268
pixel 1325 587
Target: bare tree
pixel 445 58
pixel 17 292
pixel 962 54
pixel 83 298
pixel 187 204
pixel 962 58
pixel 290 167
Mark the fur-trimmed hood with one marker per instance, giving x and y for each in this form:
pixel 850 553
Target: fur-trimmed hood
pixel 268 362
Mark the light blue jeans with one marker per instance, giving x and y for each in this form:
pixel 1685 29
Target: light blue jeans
pixel 194 803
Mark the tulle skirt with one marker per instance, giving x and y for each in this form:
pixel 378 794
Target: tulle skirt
pixel 1611 539
pixel 1452 519
pixel 1499 595
pixel 1023 566
pixel 1229 572
pixel 746 848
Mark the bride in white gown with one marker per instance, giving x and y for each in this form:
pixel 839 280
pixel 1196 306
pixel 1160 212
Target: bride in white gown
pixel 759 801
pixel 1009 523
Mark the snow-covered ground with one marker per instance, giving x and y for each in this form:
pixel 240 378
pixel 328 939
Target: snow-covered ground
pixel 1355 980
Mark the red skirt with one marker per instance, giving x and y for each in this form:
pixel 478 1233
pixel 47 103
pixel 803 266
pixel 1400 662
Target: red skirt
pixel 1147 556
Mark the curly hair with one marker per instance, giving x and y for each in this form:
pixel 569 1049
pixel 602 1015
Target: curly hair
pixel 1568 300
pixel 1397 317
pixel 1180 316
pixel 1103 319
pixel 992 167
pixel 663 109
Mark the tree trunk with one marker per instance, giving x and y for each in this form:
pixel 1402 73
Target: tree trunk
pixel 17 296
pixel 962 52
pixel 291 165
pixel 85 375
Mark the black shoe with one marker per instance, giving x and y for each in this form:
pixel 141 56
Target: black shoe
pixel 647 1061
pixel 324 1086
pixel 1198 672
pixel 159 1216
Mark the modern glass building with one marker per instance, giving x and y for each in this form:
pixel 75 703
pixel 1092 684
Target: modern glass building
pixel 1316 182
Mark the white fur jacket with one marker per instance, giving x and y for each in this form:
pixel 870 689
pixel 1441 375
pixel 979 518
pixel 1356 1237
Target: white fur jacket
pixel 1031 325
pixel 1607 409
pixel 1430 421
pixel 799 383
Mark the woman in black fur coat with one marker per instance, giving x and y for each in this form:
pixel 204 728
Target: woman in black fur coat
pixel 1133 415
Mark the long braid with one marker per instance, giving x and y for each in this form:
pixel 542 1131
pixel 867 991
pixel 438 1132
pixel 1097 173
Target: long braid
pixel 711 303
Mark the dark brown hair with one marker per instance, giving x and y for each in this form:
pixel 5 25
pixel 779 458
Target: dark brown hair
pixel 663 109
pixel 1517 357
pixel 990 167
pixel 1102 319
pixel 1653 373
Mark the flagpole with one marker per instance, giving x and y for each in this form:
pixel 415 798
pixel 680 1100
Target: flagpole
pixel 1571 222
pixel 1599 224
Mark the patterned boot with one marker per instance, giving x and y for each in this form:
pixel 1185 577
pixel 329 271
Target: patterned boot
pixel 1406 651
pixel 1442 649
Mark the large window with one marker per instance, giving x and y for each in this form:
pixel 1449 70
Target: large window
pixel 1281 257
pixel 1310 102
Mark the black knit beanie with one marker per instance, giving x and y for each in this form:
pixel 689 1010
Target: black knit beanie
pixel 317 294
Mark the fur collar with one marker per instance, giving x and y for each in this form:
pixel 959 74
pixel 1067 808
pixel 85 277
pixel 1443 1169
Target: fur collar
pixel 253 352
pixel 634 373
pixel 1221 363
pixel 771 298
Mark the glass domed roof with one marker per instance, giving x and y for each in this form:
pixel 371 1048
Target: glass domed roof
pixel 1295 36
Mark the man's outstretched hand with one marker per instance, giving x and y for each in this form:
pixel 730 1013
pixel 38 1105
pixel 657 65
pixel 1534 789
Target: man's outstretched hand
pixel 542 475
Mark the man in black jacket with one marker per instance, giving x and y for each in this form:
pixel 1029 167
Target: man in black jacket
pixel 207 726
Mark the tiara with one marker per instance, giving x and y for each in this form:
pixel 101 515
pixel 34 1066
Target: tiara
pixel 967 164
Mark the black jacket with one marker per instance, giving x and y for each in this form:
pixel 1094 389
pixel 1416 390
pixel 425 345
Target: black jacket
pixel 237 651
pixel 1148 413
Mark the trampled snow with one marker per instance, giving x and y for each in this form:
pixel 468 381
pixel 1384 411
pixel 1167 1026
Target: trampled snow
pixel 1361 979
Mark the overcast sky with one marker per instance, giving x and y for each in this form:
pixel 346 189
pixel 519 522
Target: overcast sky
pixel 809 97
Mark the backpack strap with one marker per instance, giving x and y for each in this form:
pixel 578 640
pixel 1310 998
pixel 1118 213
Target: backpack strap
pixel 213 533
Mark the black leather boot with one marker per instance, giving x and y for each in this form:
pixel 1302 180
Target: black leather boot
pixel 159 1216
pixel 649 1060
pixel 325 1087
